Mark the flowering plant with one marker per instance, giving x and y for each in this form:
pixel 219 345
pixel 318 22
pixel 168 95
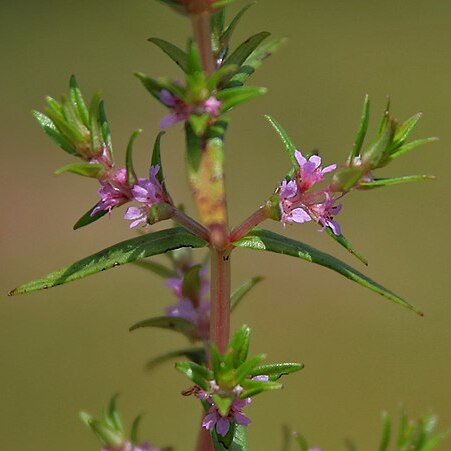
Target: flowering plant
pixel 222 376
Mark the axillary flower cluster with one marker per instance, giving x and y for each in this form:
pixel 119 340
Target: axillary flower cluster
pixel 300 202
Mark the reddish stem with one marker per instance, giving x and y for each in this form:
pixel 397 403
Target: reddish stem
pixel 190 224
pixel 202 35
pixel 253 220
pixel 204 442
pixel 220 298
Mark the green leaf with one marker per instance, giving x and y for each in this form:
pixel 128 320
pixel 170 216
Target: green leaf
pixel 276 370
pixel 221 3
pixel 254 61
pixel 78 101
pixel 247 367
pixel 377 183
pixel 409 146
pixel 342 241
pixel 119 254
pixel 219 75
pixel 153 86
pixel 198 374
pixel 85 169
pixel 174 323
pixel 196 355
pixel 131 174
pixel 386 430
pixel 199 123
pixel 175 53
pixel 240 55
pixel 286 140
pixel 376 154
pixel 95 128
pixel 87 219
pixel 240 292
pixel 225 37
pixel 113 415
pixel 264 240
pixel 134 430
pixel 252 388
pixel 404 130
pixel 363 127
pixel 302 442
pixel 239 345
pixel 232 97
pixel 191 283
pixel 156 268
pixel 194 63
pixel 239 441
pixel 105 128
pixel 51 130
pixel 223 404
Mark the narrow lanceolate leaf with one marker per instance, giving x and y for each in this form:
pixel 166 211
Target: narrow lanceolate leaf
pixel 78 101
pixel 181 325
pixel 85 169
pixel 232 97
pixel 286 140
pixel 386 430
pixel 377 183
pixel 404 130
pixel 88 218
pixel 255 60
pixel 276 370
pixel 409 146
pixel 264 240
pixel 175 53
pixel 131 174
pixel 342 241
pixel 240 55
pixel 50 130
pixel 105 128
pixel 119 254
pixel 363 127
pixel 239 441
pixel 225 37
pixel 196 355
pixel 238 294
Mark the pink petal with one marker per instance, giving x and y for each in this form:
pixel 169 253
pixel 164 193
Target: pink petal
pixel 222 426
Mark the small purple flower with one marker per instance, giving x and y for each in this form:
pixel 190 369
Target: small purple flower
pixel 214 419
pixel 147 192
pixel 310 170
pixel 196 310
pixel 180 111
pixel 212 106
pixel 114 192
pixel 324 213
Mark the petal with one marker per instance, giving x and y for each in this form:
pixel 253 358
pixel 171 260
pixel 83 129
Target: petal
pixel 288 189
pixel 300 158
pixel 222 426
pixel 329 168
pixel 133 213
pixel 169 120
pixel 210 420
pixel 242 419
pixel 300 216
pixel 315 160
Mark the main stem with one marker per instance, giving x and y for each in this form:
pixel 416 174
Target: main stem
pixel 218 233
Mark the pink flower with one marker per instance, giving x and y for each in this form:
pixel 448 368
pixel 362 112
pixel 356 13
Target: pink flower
pixel 214 419
pixel 299 203
pixel 115 191
pixel 147 192
pixel 212 106
pixel 310 171
pixel 180 111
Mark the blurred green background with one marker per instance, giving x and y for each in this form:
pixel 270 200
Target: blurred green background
pixel 69 348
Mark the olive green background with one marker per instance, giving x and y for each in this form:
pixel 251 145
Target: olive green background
pixel 69 348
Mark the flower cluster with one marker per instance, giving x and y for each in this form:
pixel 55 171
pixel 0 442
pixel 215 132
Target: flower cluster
pixel 300 203
pixel 181 111
pixel 220 420
pixel 194 304
pixel 116 190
